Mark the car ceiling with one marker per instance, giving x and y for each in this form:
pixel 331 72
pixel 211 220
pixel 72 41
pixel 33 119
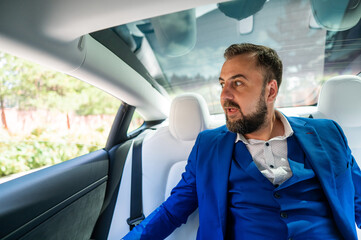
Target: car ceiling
pixel 55 34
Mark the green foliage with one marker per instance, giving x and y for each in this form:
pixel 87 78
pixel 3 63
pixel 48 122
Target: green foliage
pixel 28 86
pixel 38 150
pixel 92 101
pixel 19 156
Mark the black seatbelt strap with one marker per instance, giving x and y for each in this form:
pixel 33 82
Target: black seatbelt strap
pixel 136 198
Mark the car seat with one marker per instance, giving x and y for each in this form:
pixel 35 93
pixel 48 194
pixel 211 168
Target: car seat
pixel 164 156
pixel 340 100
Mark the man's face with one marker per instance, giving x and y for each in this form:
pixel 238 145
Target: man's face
pixel 243 94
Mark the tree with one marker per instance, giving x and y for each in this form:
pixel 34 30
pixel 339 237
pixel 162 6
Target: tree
pixel 10 82
pixel 28 86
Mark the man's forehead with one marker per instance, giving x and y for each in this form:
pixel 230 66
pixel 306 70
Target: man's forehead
pixel 239 64
pixel 236 76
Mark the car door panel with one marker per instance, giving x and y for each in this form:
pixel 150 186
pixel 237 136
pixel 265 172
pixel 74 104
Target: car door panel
pixel 68 195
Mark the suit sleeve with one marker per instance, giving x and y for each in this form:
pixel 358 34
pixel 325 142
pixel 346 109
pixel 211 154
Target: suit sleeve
pixel 356 178
pixel 175 210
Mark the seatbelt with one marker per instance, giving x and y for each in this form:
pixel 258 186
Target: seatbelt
pixel 136 199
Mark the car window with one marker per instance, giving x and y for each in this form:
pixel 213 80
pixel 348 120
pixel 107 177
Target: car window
pixel 137 121
pixel 48 117
pixel 183 51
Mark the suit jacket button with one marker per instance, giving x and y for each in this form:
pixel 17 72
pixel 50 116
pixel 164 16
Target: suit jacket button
pixel 284 215
pixel 277 195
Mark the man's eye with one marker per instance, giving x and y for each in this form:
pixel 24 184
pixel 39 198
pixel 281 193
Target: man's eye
pixel 238 83
pixel 222 85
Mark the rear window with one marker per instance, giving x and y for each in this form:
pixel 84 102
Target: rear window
pixel 183 51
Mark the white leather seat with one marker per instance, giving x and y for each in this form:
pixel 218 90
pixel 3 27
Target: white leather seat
pixel 340 100
pixel 167 152
pixel 164 156
pixel 189 230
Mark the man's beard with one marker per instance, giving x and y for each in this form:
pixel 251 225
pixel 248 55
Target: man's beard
pixel 250 123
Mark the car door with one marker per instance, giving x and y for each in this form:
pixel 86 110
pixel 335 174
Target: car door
pixel 65 201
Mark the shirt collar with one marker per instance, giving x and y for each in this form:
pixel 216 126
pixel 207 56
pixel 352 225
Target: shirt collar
pixel 286 125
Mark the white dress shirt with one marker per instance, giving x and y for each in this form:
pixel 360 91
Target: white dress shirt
pixel 270 156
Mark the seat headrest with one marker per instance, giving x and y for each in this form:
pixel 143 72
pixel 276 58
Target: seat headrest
pixel 340 100
pixel 188 116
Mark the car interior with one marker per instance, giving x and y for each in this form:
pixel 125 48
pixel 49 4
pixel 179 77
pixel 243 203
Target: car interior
pixel 162 59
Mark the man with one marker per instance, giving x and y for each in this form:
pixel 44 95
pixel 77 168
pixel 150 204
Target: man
pixel 264 176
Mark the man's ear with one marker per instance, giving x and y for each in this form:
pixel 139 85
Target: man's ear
pixel 271 90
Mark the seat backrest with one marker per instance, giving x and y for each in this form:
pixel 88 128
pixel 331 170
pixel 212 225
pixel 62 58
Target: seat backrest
pixel 340 100
pixel 189 230
pixel 170 145
pixel 164 156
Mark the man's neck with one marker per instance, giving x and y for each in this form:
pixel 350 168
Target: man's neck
pixel 272 127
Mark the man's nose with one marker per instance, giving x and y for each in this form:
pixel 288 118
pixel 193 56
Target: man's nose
pixel 226 93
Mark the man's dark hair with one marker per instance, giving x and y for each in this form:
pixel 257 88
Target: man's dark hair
pixel 266 57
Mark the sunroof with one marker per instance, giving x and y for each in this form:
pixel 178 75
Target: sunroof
pixel 183 51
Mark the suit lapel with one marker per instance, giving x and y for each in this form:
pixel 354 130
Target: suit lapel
pixel 322 165
pixel 316 154
pixel 225 151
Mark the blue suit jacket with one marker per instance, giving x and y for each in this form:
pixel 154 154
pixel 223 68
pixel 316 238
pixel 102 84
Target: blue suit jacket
pixel 204 183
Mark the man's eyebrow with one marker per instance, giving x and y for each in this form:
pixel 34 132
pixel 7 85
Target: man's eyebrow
pixel 234 77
